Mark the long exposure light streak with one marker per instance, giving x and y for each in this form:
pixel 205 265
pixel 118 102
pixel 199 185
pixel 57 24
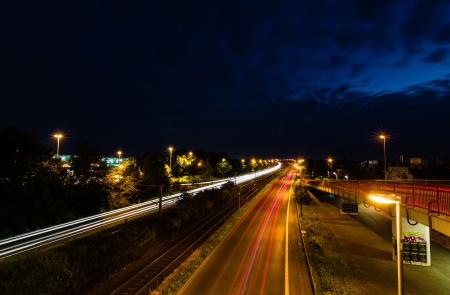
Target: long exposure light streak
pixel 69 230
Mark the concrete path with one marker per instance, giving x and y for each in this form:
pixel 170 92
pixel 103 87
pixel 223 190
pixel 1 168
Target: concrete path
pixel 365 241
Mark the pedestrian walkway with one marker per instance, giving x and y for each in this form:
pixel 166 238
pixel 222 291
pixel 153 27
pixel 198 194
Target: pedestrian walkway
pixel 365 241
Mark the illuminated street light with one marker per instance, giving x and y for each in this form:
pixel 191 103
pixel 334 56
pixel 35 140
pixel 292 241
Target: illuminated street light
pixel 335 174
pixel 58 137
pixel 191 154
pixel 389 200
pixel 383 137
pixel 330 163
pixel 199 164
pixel 170 156
pixel 119 153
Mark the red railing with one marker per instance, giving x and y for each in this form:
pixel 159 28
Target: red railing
pixel 433 197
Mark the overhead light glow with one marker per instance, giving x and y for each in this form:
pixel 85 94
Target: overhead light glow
pixel 385 199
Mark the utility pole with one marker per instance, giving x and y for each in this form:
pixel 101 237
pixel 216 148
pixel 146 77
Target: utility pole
pixel 238 191
pixel 383 137
pixel 160 200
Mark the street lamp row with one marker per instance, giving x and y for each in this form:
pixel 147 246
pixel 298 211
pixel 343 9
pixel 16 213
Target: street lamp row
pixel 383 137
pixel 59 136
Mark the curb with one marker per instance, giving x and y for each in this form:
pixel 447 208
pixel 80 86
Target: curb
pixel 308 263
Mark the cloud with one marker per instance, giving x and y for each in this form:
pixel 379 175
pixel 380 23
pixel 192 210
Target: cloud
pixel 372 9
pixel 437 56
pixel 402 62
pixel 337 61
pixel 356 69
pixel 422 21
pixel 443 36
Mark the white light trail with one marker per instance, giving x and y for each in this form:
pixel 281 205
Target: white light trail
pixel 39 238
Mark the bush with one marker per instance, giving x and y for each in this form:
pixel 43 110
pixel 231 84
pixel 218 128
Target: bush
pixel 77 267
pixel 302 196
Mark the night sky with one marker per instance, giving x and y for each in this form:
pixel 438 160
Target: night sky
pixel 312 78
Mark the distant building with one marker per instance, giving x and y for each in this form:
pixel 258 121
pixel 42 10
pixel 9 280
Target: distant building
pixel 399 173
pixel 417 162
pixel 370 164
pixel 113 161
pixel 109 161
pixel 65 158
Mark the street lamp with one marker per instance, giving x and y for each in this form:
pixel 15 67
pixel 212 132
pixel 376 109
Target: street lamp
pixel 170 157
pixel 383 137
pixel 58 136
pixel 119 153
pixel 389 200
pixel 330 163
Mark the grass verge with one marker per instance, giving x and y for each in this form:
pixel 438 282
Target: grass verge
pixel 331 271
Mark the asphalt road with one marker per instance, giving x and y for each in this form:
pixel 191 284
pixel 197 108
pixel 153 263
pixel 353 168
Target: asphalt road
pixel 252 259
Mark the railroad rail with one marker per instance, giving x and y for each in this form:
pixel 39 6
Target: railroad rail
pixel 153 273
pixel 432 196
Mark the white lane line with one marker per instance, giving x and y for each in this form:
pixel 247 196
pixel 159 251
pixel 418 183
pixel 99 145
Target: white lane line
pixel 286 250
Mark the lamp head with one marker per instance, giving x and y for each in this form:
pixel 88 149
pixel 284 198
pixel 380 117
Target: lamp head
pixel 384 199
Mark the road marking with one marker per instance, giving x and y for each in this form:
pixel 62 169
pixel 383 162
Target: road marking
pixel 286 256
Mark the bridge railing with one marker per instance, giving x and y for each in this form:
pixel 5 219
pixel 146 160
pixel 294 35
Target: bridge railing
pixel 432 197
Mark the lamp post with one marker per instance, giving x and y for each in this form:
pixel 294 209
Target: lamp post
pixel 119 153
pixel 330 163
pixel 253 167
pixel 170 156
pixel 392 199
pixel 58 136
pixel 383 137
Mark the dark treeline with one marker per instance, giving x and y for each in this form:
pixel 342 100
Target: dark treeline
pixel 37 190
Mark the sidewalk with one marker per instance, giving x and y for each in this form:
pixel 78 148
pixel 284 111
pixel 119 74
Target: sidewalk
pixel 365 242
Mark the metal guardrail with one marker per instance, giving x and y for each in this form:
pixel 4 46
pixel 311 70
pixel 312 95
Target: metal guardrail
pixel 433 197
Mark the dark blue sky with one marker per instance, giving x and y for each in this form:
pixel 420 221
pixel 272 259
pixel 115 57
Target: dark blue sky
pixel 266 77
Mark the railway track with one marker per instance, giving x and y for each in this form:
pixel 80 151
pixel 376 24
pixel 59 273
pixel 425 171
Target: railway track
pixel 69 231
pixel 153 273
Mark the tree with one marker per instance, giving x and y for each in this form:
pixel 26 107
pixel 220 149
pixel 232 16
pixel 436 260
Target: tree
pixel 21 154
pixel 223 167
pixel 153 169
pixel 184 163
pixel 87 165
pixel 87 186
pixel 124 183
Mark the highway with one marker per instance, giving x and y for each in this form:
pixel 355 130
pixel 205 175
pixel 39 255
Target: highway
pixel 62 233
pixel 262 254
